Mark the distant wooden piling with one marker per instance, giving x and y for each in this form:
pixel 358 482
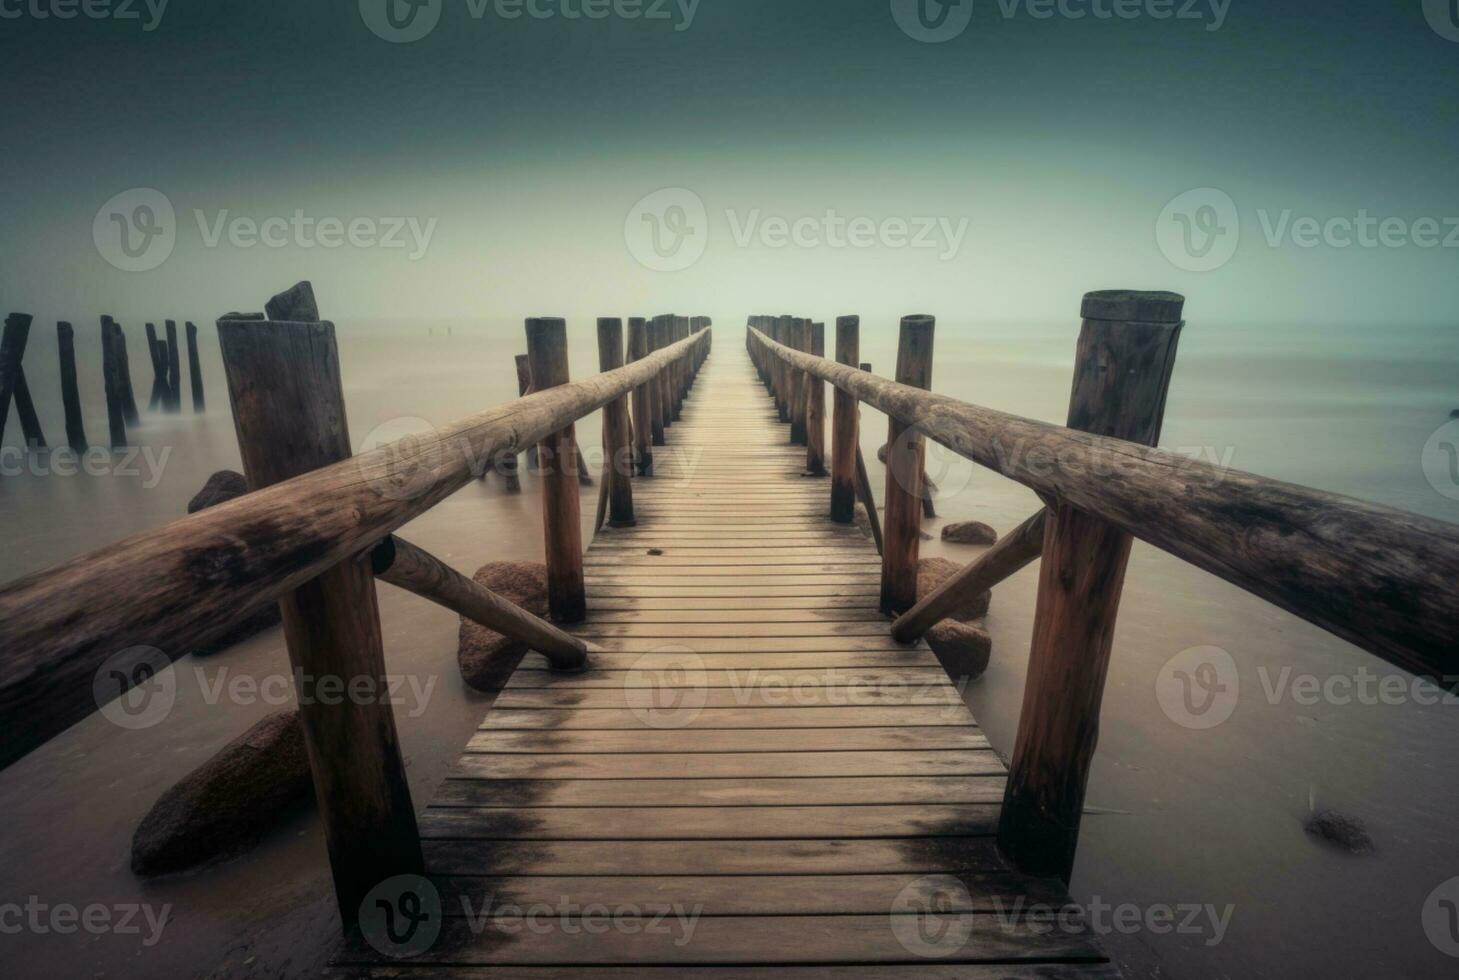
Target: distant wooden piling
pixel 780 369
pixel 174 369
pixel 12 351
pixel 561 520
pixel 617 439
pixel 864 490
pixel 643 447
pixel 524 387
pixel 124 375
pixel 798 384
pixel 902 528
pixel 288 406
pixel 845 425
pixel 158 354
pixel 656 386
pixel 1121 376
pixel 195 369
pixel 12 380
pixel 111 378
pixel 70 391
pixel 815 408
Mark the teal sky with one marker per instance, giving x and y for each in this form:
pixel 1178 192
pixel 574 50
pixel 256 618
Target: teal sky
pixel 524 145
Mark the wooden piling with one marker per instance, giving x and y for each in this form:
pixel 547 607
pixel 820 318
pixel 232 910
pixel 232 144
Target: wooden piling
pixel 815 407
pixel 656 387
pixel 779 369
pixel 288 407
pixel 12 351
pixel 643 446
pixel 124 374
pixel 174 369
pixel 797 385
pixel 845 427
pixel 111 377
pixel 864 490
pixel 617 439
pixel 562 522
pixel 902 527
pixel 1122 372
pixel 195 369
pixel 524 387
pixel 30 423
pixel 70 392
pixel 158 353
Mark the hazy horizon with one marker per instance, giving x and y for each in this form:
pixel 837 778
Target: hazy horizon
pixel 521 150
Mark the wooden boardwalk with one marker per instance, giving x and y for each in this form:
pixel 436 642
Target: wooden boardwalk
pixel 751 755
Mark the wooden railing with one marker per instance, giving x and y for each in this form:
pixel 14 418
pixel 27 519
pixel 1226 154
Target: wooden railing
pixel 1384 579
pixel 313 534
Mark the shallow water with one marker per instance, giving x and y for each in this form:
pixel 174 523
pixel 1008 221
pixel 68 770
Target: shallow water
pixel 1187 817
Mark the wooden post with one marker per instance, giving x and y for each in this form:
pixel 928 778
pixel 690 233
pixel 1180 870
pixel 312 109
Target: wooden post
pixel 12 352
pixel 524 387
pixel 780 369
pixel 643 447
pixel 796 384
pixel 815 407
pixel 288 407
pixel 675 373
pixel 665 329
pixel 111 376
pixel 863 487
pixel 174 369
pixel 1121 376
pixel 617 440
pixel 195 369
pixel 159 369
pixel 70 393
pixel 656 387
pixel 902 528
pixel 845 427
pixel 562 522
pixel 124 359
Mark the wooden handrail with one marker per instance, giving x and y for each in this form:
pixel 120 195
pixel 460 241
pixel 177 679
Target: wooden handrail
pixel 1376 576
pixel 174 587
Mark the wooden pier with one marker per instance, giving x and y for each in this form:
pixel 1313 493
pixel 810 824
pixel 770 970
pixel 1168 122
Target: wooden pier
pixel 749 743
pixel 725 759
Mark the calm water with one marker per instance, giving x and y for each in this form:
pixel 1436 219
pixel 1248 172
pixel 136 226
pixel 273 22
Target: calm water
pixel 1184 817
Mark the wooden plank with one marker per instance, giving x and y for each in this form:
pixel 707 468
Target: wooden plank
pixel 838 971
pixel 648 700
pixel 709 823
pixel 673 675
pixel 609 719
pixel 825 791
pixel 729 765
pixel 650 741
pixel 934 855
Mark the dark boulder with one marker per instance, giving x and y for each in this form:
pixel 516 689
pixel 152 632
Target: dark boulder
pixel 932 572
pixel 221 487
pixel 964 650
pixel 486 657
pixel 969 532
pixel 226 805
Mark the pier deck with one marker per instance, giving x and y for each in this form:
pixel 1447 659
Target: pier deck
pixel 751 756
